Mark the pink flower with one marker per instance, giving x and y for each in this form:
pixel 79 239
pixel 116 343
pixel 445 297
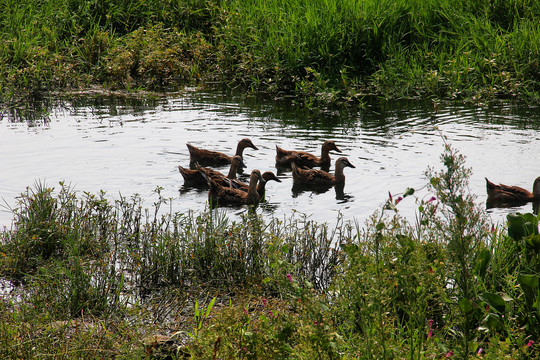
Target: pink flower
pixel 264 302
pixel 430 332
pixel 270 313
pixel 530 343
pixel 449 354
pixel 480 351
pixel 390 196
pixel 289 276
pixel 245 311
pixel 433 198
pixel 398 200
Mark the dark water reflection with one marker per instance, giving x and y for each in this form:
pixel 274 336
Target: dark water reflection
pixel 126 146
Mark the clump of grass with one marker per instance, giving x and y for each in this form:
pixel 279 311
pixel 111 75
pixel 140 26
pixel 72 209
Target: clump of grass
pixel 87 269
pixel 326 52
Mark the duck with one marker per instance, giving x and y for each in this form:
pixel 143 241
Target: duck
pixel 302 158
pixel 316 177
pixel 216 158
pixel 505 194
pixel 194 176
pixel 261 186
pixel 229 195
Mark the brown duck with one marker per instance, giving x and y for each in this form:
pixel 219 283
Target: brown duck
pixel 302 158
pixel 194 176
pixel 223 195
pixel 215 158
pixel 315 177
pixel 504 194
pixel 261 186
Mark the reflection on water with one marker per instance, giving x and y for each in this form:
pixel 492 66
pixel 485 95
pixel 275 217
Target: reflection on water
pixel 126 146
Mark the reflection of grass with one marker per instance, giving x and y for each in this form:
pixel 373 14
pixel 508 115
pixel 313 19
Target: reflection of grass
pixel 95 278
pixel 323 51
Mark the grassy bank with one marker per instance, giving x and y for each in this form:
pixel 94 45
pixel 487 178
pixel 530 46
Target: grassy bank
pixel 321 51
pixel 93 278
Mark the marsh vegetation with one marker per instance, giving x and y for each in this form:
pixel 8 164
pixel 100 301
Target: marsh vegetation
pixel 321 51
pixel 93 278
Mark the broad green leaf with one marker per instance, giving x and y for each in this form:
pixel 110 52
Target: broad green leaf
pixel 209 308
pixel 465 305
pixel 494 301
pixel 494 322
pixel 482 262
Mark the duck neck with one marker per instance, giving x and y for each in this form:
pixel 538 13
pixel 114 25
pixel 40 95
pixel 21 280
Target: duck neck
pixel 325 155
pixel 339 175
pixel 252 189
pixel 232 171
pixel 261 187
pixel 240 149
pixel 536 188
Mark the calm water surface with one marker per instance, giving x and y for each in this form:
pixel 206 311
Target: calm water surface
pixel 133 146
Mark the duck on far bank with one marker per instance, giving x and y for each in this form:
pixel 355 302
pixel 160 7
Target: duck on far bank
pixel 315 177
pixel 511 195
pixel 303 158
pixel 216 158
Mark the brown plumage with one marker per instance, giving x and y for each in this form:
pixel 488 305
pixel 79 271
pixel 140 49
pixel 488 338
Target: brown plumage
pixel 504 194
pixel 302 158
pixel 315 177
pixel 261 187
pixel 194 176
pixel 219 178
pixel 215 158
pixel 222 195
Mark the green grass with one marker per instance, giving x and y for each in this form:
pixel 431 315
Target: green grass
pixel 94 278
pixel 322 51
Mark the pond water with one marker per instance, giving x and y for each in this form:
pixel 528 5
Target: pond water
pixel 127 146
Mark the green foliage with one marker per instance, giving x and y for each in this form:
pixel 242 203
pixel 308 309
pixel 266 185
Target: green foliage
pixel 324 51
pixel 84 270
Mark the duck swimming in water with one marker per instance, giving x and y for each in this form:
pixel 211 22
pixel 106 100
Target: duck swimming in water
pixel 215 158
pixel 302 158
pixel 511 195
pixel 194 177
pixel 261 186
pixel 222 195
pixel 219 178
pixel 315 177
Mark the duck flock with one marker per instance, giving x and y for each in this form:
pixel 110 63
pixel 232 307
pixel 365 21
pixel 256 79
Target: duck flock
pixel 228 190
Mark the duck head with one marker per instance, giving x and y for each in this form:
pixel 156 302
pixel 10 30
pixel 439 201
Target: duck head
pixel 329 145
pixel 245 143
pixel 342 162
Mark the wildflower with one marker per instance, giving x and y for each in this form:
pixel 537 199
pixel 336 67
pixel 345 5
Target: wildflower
pixel 430 331
pixel 270 313
pixel 398 200
pixel 264 302
pixel 390 196
pixel 245 311
pixel 289 276
pixel 449 354
pixel 530 343
pixel 480 351
pixel 433 198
